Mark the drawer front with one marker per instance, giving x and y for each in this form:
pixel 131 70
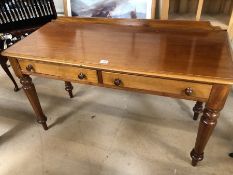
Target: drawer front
pixel 63 71
pixel 181 88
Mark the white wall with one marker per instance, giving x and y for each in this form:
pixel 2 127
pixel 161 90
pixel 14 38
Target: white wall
pixel 59 6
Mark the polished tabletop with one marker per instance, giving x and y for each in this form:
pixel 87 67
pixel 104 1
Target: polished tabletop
pixel 202 55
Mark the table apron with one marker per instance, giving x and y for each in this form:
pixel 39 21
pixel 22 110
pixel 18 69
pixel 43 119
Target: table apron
pixel 151 85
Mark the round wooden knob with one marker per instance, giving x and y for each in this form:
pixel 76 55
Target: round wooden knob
pixel 81 76
pixel 117 82
pixel 29 68
pixel 188 91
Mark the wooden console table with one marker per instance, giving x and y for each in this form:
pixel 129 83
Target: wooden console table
pixel 179 59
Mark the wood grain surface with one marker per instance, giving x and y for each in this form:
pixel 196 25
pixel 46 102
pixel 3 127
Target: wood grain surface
pixel 65 72
pixel 146 47
pixel 157 84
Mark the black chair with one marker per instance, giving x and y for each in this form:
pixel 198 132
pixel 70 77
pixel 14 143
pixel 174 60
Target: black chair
pixel 19 18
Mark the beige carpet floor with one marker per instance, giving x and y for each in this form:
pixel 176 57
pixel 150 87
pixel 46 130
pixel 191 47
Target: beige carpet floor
pixel 106 132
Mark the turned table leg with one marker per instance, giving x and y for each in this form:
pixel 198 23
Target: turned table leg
pixel 69 88
pixel 208 120
pixel 197 109
pixel 30 91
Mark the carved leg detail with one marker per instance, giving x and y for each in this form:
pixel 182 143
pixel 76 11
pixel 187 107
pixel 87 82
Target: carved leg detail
pixel 30 91
pixel 196 157
pixel 208 120
pixel 197 109
pixel 69 88
pixel 6 69
pixel 206 126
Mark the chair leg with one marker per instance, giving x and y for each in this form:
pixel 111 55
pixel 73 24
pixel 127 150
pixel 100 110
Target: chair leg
pixel 197 109
pixel 3 61
pixel 69 88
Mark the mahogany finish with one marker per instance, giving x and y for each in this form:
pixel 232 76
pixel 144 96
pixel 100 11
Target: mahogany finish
pixel 208 120
pixel 158 57
pixel 186 90
pixel 66 71
pixel 186 54
pixel 30 91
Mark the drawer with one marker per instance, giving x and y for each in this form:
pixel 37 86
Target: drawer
pixel 63 71
pixel 163 86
